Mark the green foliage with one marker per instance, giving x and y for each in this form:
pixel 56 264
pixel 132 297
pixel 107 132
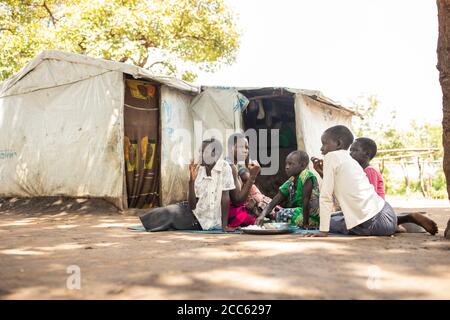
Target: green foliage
pixel 366 108
pixel 387 180
pixel 164 35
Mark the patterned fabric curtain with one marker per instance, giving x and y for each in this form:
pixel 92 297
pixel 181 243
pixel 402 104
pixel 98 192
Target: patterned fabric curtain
pixel 141 143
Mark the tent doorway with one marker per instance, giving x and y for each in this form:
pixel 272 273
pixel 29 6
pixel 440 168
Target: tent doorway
pixel 141 142
pixel 271 108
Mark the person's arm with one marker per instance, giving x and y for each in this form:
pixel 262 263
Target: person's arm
pixel 372 176
pixel 193 172
pixel 376 180
pixel 240 194
pixel 275 201
pixel 227 187
pixel 235 192
pixel 225 205
pixel 306 196
pixel 326 196
pixel 318 165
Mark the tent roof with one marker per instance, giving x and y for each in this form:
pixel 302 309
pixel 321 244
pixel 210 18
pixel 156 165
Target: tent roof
pixel 313 94
pixel 89 62
pixel 90 67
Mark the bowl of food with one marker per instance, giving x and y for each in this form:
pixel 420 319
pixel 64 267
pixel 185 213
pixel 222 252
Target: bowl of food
pixel 268 228
pixel 277 225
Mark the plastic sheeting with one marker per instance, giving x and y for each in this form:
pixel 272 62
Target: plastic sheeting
pixel 65 140
pixel 176 144
pixel 75 67
pixel 312 119
pixel 218 113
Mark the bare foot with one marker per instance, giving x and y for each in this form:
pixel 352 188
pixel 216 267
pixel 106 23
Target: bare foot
pixel 447 231
pixel 426 223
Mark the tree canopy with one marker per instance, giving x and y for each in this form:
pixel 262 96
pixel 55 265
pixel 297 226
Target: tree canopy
pixel 167 36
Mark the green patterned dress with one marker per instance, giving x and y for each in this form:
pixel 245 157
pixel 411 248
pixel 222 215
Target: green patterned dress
pixel 293 214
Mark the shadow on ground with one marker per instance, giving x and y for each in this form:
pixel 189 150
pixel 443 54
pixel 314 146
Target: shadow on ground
pixel 37 247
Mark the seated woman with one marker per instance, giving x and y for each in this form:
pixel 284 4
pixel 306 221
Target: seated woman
pixel 238 158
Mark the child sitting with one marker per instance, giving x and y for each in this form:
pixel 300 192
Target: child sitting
pixel 363 211
pixel 209 186
pixel 256 201
pixel 363 150
pixel 301 192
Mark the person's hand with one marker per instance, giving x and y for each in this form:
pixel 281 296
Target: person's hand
pixel 193 170
pixel 260 220
pixel 254 168
pixel 228 229
pixel 316 235
pixel 318 165
pixel 234 169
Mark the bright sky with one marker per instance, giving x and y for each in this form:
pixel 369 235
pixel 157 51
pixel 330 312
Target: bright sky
pixel 343 48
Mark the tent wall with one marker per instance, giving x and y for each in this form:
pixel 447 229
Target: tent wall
pixel 219 111
pixel 312 119
pixel 176 144
pixel 66 140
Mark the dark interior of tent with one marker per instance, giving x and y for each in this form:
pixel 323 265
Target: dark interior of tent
pixel 271 108
pixel 141 142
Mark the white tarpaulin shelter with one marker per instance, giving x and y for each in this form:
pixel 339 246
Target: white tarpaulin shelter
pixel 62 128
pixel 221 108
pixel 300 116
pixel 63 124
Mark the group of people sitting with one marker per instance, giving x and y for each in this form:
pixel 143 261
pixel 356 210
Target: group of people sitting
pixel 350 200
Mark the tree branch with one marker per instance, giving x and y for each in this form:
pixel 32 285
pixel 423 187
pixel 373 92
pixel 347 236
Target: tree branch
pixel 7 29
pixel 155 63
pixel 81 46
pixel 143 61
pixel 50 14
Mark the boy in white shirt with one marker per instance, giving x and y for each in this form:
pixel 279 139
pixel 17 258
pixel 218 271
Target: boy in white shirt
pixel 208 196
pixel 363 211
pixel 356 189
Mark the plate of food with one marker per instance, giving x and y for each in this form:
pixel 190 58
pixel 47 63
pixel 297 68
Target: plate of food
pixel 268 228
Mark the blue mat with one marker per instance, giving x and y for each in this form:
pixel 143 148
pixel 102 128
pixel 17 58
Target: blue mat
pixel 295 230
pixel 141 228
pixel 136 228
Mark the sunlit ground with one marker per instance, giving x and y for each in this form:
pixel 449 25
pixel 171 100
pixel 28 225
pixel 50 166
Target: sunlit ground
pixel 39 243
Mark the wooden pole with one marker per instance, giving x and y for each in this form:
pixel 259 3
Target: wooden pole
pixel 421 181
pixel 406 176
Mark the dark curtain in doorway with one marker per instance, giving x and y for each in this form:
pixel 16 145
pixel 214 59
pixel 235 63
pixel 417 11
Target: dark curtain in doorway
pixel 141 143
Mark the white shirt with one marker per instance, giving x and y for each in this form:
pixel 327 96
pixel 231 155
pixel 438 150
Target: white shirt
pixel 208 190
pixel 344 177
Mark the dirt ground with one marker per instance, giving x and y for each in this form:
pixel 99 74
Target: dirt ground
pixel 41 239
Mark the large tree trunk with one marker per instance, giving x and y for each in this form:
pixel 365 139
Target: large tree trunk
pixel 443 52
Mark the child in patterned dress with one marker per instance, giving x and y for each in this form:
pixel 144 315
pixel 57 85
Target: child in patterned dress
pixel 301 192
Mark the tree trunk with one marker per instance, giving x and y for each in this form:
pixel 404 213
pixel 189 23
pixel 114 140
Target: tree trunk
pixel 443 53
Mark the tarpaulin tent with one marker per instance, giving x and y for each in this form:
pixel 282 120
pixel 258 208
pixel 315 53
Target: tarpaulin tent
pixel 77 126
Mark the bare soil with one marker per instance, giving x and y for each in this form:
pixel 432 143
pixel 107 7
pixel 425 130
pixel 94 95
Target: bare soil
pixel 41 238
